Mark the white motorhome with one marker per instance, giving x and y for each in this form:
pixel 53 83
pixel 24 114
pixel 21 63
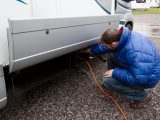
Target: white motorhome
pixel 144 4
pixel 34 31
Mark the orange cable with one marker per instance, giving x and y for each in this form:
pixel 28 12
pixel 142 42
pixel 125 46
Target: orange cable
pixel 104 92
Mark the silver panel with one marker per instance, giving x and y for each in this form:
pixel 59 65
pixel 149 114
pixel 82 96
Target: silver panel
pixel 25 25
pixel 2 88
pixel 31 45
pixel 1 71
pixel 3 102
pixel 3 96
pixel 31 60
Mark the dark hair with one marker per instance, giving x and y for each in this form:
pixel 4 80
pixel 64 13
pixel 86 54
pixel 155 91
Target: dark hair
pixel 110 35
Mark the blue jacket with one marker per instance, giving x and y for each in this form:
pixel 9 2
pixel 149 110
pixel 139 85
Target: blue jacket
pixel 138 60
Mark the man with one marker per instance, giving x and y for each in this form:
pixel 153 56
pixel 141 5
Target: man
pixel 133 63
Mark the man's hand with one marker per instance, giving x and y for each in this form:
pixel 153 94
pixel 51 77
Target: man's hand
pixel 84 51
pixel 108 73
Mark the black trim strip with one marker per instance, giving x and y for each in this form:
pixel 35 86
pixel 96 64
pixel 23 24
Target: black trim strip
pixel 129 8
pixel 103 7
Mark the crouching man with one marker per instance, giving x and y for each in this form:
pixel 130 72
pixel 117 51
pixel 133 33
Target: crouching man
pixel 133 63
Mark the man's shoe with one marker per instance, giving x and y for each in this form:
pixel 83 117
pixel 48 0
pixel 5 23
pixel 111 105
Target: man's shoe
pixel 137 105
pixel 140 104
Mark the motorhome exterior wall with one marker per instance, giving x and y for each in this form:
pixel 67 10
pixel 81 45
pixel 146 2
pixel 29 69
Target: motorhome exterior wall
pixel 10 9
pixel 81 8
pixel 68 8
pixel 52 9
pixel 41 8
pixel 41 30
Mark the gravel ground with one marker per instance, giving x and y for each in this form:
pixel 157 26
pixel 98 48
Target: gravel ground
pixel 74 96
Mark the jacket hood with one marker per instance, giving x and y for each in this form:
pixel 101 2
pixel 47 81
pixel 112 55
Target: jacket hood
pixel 124 37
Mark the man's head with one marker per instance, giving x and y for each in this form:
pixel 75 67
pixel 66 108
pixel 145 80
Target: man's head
pixel 110 38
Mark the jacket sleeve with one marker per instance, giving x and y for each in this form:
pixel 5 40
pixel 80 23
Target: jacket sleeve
pixel 140 68
pixel 98 49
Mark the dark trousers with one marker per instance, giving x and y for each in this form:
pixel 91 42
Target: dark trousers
pixel 135 93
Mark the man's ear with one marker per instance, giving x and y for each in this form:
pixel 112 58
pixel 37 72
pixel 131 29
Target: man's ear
pixel 114 44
